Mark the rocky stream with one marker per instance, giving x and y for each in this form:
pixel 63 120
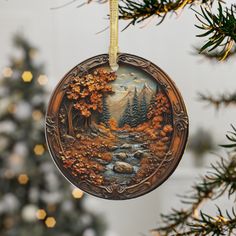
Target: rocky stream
pixel 126 158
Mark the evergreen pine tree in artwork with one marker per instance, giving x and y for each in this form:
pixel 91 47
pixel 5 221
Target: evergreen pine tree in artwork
pixel 152 106
pixel 105 116
pixel 127 116
pixel 143 109
pixel 135 110
pixel 34 197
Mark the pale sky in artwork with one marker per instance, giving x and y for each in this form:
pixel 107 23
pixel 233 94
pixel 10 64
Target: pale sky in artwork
pixel 128 78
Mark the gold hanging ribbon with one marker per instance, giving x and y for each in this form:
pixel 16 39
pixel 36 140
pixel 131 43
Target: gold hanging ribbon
pixel 113 50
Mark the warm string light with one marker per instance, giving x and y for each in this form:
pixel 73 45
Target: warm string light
pixel 27 76
pixel 50 222
pixel 7 72
pixel 23 179
pixel 39 149
pixel 37 115
pixel 41 214
pixel 42 80
pixel 77 193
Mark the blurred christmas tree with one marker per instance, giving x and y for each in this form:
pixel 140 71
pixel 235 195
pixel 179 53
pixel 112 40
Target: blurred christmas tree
pixel 34 197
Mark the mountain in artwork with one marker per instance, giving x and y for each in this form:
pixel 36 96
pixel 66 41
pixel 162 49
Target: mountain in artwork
pixel 117 107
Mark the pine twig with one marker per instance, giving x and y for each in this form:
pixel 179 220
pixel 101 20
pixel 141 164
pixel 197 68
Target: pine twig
pixel 212 186
pixel 214 55
pixel 220 29
pixel 138 11
pixel 220 100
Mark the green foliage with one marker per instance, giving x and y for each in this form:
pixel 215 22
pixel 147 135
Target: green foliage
pixel 220 29
pixel 220 225
pixel 127 116
pixel 135 110
pixel 193 221
pixel 231 136
pixel 135 113
pixel 138 11
pixel 143 109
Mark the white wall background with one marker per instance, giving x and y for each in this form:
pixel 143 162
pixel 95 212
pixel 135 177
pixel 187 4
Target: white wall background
pixel 68 36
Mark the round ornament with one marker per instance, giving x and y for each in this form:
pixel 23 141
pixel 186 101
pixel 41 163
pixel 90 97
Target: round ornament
pixel 116 135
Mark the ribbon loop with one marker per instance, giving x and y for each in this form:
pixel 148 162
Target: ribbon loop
pixel 113 49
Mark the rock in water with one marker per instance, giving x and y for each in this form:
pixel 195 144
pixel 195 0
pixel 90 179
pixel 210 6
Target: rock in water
pixel 121 155
pixel 126 146
pixel 113 148
pixel 123 168
pixel 94 135
pixel 140 154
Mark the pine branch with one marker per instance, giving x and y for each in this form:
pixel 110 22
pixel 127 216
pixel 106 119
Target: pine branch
pixel 219 225
pixel 215 54
pixel 212 186
pixel 231 136
pixel 220 29
pixel 220 100
pixel 137 12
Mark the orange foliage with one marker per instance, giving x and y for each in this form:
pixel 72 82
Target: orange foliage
pixel 152 133
pixel 87 91
pixel 142 127
pixel 106 156
pixel 162 105
pixel 167 128
pixel 147 166
pixel 104 130
pixel 83 158
pixel 113 124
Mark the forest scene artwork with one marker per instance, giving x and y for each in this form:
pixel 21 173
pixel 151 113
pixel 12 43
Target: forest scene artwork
pixel 115 128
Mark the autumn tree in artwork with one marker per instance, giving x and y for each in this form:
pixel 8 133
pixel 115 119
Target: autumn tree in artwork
pixel 159 106
pixel 86 93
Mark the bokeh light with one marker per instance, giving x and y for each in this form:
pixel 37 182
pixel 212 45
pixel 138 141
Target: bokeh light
pixel 23 179
pixel 41 214
pixel 77 193
pixel 27 76
pixel 39 149
pixel 37 115
pixel 7 72
pixel 50 222
pixel 42 79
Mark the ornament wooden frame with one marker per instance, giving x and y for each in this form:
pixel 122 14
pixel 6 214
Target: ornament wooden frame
pixel 172 157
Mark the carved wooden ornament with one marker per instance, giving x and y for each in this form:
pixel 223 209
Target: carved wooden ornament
pixel 116 135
